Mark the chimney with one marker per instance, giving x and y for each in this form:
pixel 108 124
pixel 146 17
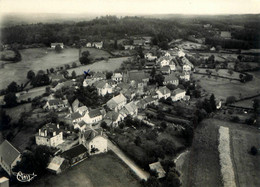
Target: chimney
pixel 58 126
pixel 54 133
pixel 45 132
pixel 39 132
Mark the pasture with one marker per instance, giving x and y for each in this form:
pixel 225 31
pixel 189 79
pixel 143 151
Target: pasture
pixel 222 88
pixel 41 59
pixel 100 66
pixel 96 171
pixel 204 157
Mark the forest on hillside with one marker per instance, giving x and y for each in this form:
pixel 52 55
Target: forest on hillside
pixel 112 27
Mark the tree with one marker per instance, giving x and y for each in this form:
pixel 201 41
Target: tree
pixel 172 180
pixel 255 105
pixel 109 75
pixel 115 45
pixel 74 64
pixel 52 70
pixel 30 75
pixel 5 120
pixel 230 72
pixel 40 80
pixel 73 74
pixel 230 99
pixel 164 45
pixel 84 59
pixel 152 182
pixel 103 125
pixel 159 79
pixel 153 72
pixel 12 87
pixel 212 102
pixel 58 48
pixel 253 150
pixel 10 99
pixel 138 141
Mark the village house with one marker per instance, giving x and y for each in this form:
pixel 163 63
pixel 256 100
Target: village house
pixel 164 61
pixel 4 182
pixel 89 81
pixel 166 70
pixel 187 65
pixel 50 135
pixel 112 118
pixel 88 44
pixel 185 76
pixel 178 94
pixel 99 76
pixel 75 105
pixel 54 104
pixel 172 65
pixel 150 57
pixel 75 117
pixel 53 45
pixel 57 165
pixel 139 42
pixel 163 92
pixel 181 53
pixel 171 79
pixel 117 102
pixel 157 167
pixel 103 88
pixel 94 141
pixel 129 47
pixel 225 34
pixel 80 125
pixel 55 77
pixel 93 116
pixel 143 103
pixel 9 156
pixel 137 79
pixel 75 154
pixel 97 45
pixel 129 109
pixel 118 77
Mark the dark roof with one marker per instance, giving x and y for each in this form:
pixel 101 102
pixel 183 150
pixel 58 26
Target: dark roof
pixel 170 77
pixel 74 151
pixel 165 68
pixel 75 115
pixel 177 91
pixel 94 113
pixel 8 152
pixel 137 76
pixel 55 102
pixel 112 115
pixel 99 75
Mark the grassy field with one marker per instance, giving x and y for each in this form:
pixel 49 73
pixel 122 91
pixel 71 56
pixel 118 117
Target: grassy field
pixel 16 112
pixel 41 59
pixel 96 53
pixel 221 72
pixel 204 158
pixel 98 171
pixel 227 88
pixel 246 103
pixel 103 65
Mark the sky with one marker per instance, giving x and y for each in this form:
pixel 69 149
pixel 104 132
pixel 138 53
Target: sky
pixel 131 6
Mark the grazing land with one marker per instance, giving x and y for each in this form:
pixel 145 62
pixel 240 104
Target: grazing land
pixel 204 158
pixel 103 65
pixel 15 112
pixel 101 170
pixel 227 88
pixel 41 59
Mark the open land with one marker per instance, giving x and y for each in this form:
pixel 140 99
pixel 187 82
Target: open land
pixel 41 59
pixel 204 158
pixel 101 170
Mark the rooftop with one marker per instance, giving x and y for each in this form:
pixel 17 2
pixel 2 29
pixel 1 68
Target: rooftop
pixel 74 151
pixel 8 152
pixel 94 113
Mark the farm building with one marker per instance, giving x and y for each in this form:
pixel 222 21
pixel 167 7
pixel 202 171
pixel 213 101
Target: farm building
pixel 58 164
pixel 53 45
pixel 75 154
pixel 157 167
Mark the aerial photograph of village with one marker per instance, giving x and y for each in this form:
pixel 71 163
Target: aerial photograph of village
pixel 130 93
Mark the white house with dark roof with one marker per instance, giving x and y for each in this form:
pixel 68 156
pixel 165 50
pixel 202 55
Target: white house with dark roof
pixel 157 167
pixel 118 77
pixel 94 141
pixel 97 45
pixel 163 92
pixel 117 102
pixel 164 61
pixel 92 116
pixel 54 104
pixel 99 76
pixel 112 118
pixel 178 94
pixel 166 69
pixel 9 156
pixel 171 79
pixel 50 135
pixel 103 88
pixel 129 109
pixel 185 76
pixel 53 45
pixel 80 125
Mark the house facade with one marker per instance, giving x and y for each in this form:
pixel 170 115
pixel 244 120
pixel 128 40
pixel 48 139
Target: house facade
pixel 178 94
pixel 49 135
pixel 9 156
pixel 117 102
pixel 53 45
pixel 163 92
pixel 104 88
pixel 75 154
pixel 54 104
pixel 118 77
pixel 171 79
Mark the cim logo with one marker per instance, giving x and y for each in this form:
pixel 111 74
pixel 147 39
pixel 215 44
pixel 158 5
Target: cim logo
pixel 22 177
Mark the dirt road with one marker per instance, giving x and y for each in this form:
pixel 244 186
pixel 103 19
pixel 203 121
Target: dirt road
pixel 136 169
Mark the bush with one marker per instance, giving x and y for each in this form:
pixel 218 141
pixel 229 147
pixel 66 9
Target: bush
pixel 253 150
pixel 235 119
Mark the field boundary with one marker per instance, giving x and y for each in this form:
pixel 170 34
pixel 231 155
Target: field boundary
pixel 227 170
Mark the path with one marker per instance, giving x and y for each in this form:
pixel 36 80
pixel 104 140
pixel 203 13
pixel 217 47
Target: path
pixel 138 171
